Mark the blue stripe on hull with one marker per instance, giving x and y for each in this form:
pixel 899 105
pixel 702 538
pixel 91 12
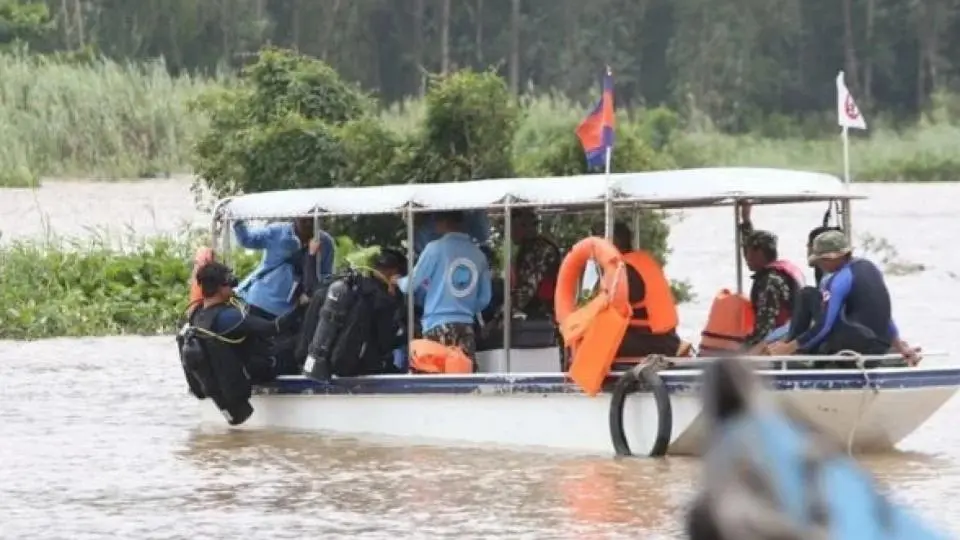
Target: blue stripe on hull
pixel 678 381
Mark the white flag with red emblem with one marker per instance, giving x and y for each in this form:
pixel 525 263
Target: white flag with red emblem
pixel 848 114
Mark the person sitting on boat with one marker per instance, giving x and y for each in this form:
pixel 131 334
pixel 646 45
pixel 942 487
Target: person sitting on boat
pixel 855 314
pixel 229 323
pixel 818 273
pixel 390 309
pixel 453 273
pixel 535 268
pixel 275 288
pixel 653 325
pixel 776 282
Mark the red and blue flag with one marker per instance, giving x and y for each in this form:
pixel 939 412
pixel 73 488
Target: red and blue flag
pixel 596 130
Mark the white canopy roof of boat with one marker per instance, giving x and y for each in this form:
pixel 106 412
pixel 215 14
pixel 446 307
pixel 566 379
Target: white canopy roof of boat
pixel 659 189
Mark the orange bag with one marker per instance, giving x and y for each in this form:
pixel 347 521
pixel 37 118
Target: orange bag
pixel 427 356
pixel 729 324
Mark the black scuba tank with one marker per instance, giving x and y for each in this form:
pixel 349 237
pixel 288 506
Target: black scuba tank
pixel 312 317
pixel 341 296
pixel 192 361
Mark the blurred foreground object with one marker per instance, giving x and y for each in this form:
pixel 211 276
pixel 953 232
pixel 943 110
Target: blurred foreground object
pixel 769 474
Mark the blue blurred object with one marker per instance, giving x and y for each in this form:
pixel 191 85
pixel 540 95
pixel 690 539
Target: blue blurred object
pixel 769 474
pixel 401 359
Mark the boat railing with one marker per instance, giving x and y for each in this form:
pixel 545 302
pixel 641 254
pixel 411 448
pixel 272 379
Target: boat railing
pixel 786 362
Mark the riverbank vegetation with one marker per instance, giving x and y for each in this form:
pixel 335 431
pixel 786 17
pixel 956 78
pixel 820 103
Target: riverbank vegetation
pixel 101 286
pixel 83 94
pixel 103 119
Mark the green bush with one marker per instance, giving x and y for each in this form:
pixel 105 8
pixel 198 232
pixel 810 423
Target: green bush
pixel 57 288
pixel 562 155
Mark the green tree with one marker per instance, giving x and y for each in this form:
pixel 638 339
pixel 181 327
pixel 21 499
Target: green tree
pixel 22 20
pixel 293 123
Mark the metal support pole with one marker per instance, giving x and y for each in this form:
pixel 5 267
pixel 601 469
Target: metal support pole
pixel 214 230
pixel 507 282
pixel 227 242
pixel 738 255
pixel 411 321
pixel 845 205
pixel 316 236
pixel 847 219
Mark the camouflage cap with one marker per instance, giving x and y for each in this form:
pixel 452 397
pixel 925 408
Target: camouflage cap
pixel 829 245
pixel 762 240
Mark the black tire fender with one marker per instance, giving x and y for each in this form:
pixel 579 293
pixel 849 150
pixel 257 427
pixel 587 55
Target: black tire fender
pixel 643 376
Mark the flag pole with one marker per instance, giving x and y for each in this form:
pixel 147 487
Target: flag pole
pixel 608 201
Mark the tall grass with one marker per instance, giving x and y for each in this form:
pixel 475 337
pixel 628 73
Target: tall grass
pixel 114 120
pixel 103 119
pixel 922 153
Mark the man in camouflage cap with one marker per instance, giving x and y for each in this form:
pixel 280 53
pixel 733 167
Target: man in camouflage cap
pixel 856 312
pixel 830 250
pixel 775 282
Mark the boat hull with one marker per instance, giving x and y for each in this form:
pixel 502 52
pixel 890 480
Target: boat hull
pixel 871 412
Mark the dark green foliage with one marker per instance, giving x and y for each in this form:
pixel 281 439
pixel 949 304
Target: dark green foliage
pixel 277 132
pixel 22 20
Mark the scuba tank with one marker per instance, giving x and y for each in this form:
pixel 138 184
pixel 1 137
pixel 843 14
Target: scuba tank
pixel 339 300
pixel 193 361
pixel 311 317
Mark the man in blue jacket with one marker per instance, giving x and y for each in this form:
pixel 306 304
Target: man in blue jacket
pixel 455 276
pixel 275 287
pixel 856 312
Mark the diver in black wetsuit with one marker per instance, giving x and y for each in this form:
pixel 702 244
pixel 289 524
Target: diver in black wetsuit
pixel 224 349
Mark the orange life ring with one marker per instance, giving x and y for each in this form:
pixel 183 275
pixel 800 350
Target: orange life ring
pixel 427 356
pixel 201 257
pixel 597 327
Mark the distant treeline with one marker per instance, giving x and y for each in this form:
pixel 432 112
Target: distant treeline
pixel 734 61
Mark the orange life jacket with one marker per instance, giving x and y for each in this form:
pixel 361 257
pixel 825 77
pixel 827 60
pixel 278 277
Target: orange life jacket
pixel 427 356
pixel 729 324
pixel 597 328
pixel 658 303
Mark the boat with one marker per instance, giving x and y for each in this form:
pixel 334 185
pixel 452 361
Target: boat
pixel 520 397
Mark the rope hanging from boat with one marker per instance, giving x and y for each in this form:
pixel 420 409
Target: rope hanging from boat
pixel 644 376
pixel 869 389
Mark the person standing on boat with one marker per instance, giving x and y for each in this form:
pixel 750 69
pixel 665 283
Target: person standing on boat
pixel 535 268
pixel 455 277
pixel 275 288
pixel 653 324
pixel 476 224
pixel 856 311
pixel 776 282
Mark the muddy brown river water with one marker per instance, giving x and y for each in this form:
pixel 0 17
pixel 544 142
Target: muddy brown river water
pixel 98 438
